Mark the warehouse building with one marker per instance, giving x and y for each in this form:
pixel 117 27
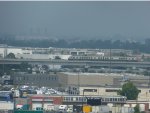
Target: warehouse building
pixel 79 79
pixel 50 80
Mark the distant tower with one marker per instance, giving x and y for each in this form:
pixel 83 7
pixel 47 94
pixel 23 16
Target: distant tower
pixel 31 31
pixel 5 51
pixel 38 31
pixel 45 31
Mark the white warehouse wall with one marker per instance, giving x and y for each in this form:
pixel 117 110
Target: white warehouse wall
pixel 14 50
pixel 32 56
pixel 26 51
pixel 64 57
pixel 2 52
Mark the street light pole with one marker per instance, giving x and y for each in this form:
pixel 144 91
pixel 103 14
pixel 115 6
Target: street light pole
pixel 14 99
pixel 78 82
pixel 82 100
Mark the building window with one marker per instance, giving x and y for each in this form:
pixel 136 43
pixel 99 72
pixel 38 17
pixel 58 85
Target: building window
pixel 111 90
pixel 90 90
pixel 52 77
pixel 19 78
pixel 27 78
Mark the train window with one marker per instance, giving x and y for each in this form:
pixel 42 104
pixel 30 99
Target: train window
pixel 64 98
pixel 80 98
pixel 67 98
pixel 84 99
pixel 77 99
pixel 113 99
pixel 110 99
pixel 124 99
pixel 121 99
pixel 71 98
pixel 106 99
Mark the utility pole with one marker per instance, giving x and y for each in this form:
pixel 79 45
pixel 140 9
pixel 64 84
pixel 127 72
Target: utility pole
pixel 110 61
pixel 78 82
pixel 149 80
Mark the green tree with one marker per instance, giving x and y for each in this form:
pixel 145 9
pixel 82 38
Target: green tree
pixel 137 109
pixel 11 55
pixel 123 54
pixel 129 90
pixel 57 57
pixel 25 67
pixel 146 73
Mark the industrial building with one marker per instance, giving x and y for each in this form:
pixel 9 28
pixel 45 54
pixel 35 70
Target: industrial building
pixel 50 80
pixel 103 83
pixel 79 79
pixel 63 53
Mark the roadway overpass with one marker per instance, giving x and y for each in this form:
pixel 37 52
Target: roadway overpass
pixel 78 63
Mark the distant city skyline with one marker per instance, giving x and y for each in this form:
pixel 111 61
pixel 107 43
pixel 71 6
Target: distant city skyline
pixel 82 19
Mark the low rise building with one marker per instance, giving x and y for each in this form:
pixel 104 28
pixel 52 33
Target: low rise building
pixel 50 80
pixel 79 79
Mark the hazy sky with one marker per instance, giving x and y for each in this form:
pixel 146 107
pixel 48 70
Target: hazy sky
pixel 83 19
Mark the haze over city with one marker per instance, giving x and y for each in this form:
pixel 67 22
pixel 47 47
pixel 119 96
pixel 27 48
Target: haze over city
pixel 92 20
pixel 74 57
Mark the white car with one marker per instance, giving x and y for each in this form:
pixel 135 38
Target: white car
pixel 69 110
pixel 63 108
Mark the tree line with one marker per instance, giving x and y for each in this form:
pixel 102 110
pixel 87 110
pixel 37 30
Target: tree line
pixel 8 69
pixel 66 43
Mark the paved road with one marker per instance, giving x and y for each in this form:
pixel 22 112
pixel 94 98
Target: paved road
pixel 78 63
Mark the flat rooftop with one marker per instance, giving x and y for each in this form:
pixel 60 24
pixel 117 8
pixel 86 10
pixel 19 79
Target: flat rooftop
pixel 101 74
